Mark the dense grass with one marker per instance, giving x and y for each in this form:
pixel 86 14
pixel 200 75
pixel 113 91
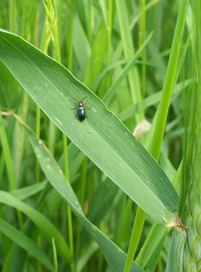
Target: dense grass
pixel 78 202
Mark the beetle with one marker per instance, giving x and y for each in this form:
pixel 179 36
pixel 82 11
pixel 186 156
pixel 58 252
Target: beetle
pixel 81 111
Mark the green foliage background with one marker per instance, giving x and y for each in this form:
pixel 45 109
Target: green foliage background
pixel 78 203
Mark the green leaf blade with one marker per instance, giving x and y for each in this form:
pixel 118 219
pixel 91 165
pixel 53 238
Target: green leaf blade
pixel 46 227
pixel 25 242
pixel 121 156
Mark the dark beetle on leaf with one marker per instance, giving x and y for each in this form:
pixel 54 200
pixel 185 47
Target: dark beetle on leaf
pixel 81 111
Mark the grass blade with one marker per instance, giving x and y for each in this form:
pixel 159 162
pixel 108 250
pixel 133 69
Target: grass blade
pixel 125 71
pixel 25 242
pixel 129 52
pixel 46 227
pixel 175 258
pixel 169 81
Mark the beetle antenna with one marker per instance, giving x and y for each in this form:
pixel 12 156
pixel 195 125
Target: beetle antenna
pixel 79 100
pixel 84 98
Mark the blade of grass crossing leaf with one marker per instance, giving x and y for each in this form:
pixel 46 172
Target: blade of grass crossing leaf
pixel 25 242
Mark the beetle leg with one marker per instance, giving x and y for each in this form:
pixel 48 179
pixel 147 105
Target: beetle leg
pixel 76 116
pixel 86 115
pixel 74 107
pixel 85 103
